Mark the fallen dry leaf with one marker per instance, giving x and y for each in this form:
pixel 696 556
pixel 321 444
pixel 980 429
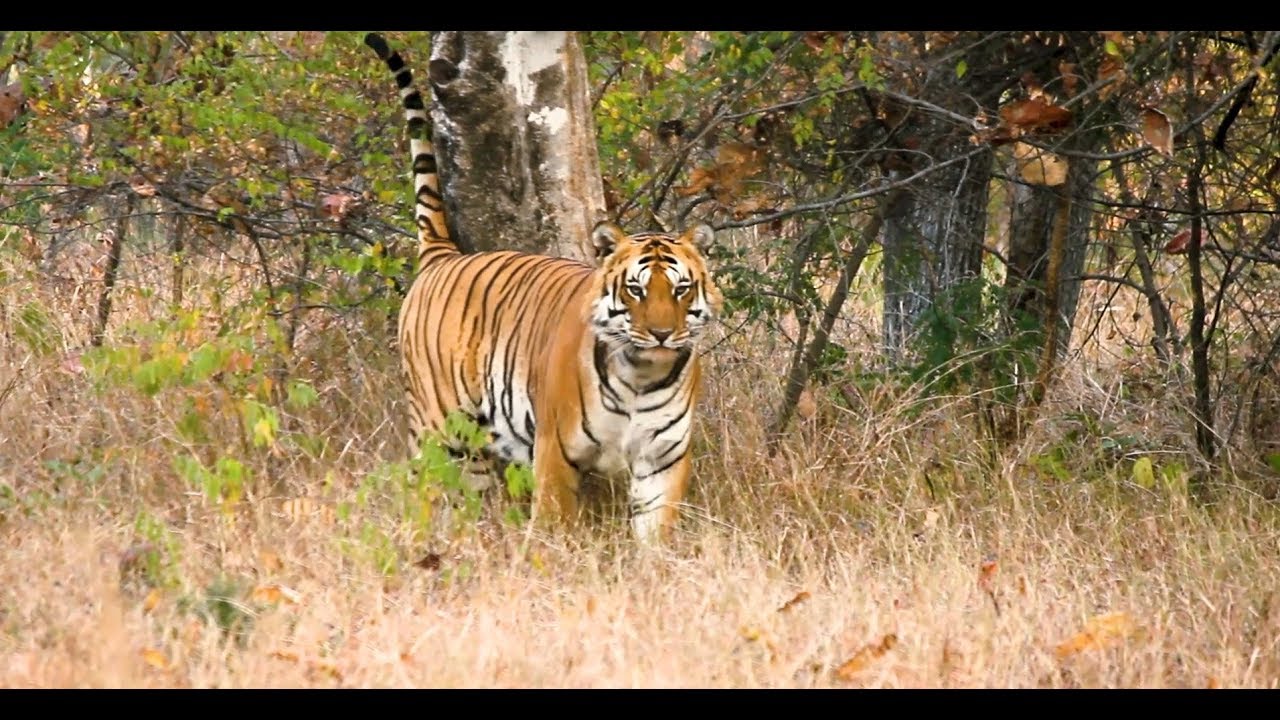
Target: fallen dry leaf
pixel 321 667
pixel 806 406
pixel 150 602
pixel 931 518
pixel 1099 632
pixel 951 659
pixel 987 574
pixel 864 657
pixel 430 561
pixel 81 134
pixel 1157 132
pixel 286 655
pixel 751 633
pixel 155 658
pixel 275 594
pixel 799 598
pixel 270 561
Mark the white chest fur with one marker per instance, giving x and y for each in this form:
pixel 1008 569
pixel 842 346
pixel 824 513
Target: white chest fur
pixel 640 417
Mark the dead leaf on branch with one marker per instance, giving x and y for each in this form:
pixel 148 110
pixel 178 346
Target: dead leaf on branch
pixel 1112 72
pixel 752 205
pixel 1034 114
pixel 1179 243
pixel 141 187
pixel 12 100
pixel 337 206
pixel 1039 167
pixel 735 162
pixel 850 668
pixel 1070 80
pixel 1157 131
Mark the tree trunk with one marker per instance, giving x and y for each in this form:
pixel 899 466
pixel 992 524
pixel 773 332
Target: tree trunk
pixel 515 141
pixel 1033 219
pixel 933 238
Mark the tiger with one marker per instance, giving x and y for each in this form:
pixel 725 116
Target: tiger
pixel 571 368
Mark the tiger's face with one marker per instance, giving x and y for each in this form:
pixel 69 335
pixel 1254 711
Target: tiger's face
pixel 655 296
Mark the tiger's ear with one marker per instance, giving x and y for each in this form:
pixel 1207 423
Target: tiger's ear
pixel 702 237
pixel 605 237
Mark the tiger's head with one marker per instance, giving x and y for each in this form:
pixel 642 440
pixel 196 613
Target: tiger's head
pixel 653 296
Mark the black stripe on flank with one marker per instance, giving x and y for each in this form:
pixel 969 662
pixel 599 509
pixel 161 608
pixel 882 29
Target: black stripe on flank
pixel 586 427
pixel 413 101
pixel 404 78
pixel 568 460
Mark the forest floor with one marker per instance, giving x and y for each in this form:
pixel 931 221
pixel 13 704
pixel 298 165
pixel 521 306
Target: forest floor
pixel 885 545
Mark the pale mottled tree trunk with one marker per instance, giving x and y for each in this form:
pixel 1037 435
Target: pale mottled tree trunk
pixel 515 141
pixel 933 241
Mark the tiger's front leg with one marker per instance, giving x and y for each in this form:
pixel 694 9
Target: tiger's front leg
pixel 657 489
pixel 555 492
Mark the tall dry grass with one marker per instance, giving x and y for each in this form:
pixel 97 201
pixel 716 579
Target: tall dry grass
pixel 887 544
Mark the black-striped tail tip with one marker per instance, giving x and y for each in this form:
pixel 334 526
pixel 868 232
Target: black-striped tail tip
pixel 379 45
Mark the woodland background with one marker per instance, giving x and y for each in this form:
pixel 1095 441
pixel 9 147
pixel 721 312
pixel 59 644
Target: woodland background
pixel 994 401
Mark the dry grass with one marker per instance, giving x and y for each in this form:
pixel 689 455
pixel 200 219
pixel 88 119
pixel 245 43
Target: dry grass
pixel 880 548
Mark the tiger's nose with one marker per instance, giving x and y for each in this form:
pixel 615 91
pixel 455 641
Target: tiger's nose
pixel 660 335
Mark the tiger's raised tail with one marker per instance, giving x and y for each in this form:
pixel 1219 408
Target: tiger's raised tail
pixel 433 232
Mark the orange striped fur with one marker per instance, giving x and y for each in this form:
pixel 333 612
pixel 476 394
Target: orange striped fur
pixel 572 368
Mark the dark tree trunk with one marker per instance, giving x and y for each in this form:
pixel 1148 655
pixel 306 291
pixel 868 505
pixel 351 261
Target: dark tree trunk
pixel 1035 215
pixel 933 238
pixel 515 141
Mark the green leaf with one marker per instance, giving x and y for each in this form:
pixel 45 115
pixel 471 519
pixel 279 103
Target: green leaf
pixel 962 67
pixel 1144 473
pixel 301 395
pixel 1274 461
pixel 1111 48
